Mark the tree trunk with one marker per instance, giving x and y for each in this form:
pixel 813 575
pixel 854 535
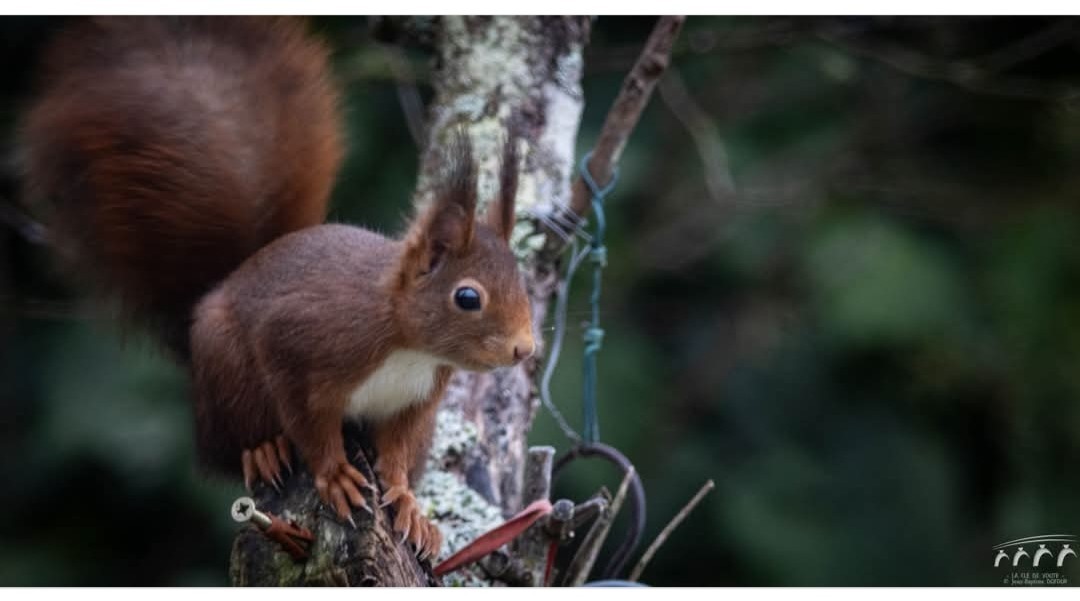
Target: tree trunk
pixel 490 71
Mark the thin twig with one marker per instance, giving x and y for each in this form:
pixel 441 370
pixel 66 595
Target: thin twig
pixel 666 532
pixel 623 116
pixel 31 231
pixel 718 179
pixel 408 94
pixel 33 308
pixel 767 33
pixel 578 571
pixel 1029 47
pixel 962 75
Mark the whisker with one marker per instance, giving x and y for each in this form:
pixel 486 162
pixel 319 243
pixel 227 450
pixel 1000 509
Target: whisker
pixel 570 328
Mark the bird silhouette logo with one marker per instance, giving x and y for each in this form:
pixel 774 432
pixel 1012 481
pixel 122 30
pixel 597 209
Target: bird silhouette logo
pixel 1052 550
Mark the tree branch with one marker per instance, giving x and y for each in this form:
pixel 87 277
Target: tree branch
pixel 369 555
pixel 621 119
pixel 494 71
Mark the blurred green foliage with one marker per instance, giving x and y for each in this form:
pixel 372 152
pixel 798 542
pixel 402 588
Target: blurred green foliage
pixel 871 345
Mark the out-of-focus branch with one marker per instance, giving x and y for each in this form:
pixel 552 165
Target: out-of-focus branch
pixel 407 31
pixel 36 308
pixel 1028 47
pixel 706 136
pixel 624 114
pixel 767 33
pixel 30 230
pixel 408 93
pixel 967 75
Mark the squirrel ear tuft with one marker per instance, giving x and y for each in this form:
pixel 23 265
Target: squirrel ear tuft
pixel 446 226
pixel 500 214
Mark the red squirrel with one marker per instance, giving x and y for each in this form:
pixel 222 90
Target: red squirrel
pixel 188 164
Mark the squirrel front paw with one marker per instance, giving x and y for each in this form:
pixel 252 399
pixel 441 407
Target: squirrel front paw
pixel 339 485
pixel 264 461
pixel 411 523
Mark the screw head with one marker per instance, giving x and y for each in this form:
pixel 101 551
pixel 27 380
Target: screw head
pixel 243 509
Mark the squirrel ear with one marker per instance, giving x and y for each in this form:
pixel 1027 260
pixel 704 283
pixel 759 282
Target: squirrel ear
pixel 446 226
pixel 500 214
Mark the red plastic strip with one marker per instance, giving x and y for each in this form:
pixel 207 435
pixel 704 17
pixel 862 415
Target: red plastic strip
pixel 552 549
pixel 495 538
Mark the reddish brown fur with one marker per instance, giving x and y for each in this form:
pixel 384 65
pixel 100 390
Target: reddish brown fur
pixel 284 340
pixel 402 444
pixel 312 314
pixel 183 149
pixel 174 148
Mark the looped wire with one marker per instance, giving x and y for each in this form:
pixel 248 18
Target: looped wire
pixel 562 293
pixel 597 192
pixel 596 252
pixel 594 334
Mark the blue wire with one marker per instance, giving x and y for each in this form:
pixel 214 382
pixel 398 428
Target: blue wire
pixel 594 334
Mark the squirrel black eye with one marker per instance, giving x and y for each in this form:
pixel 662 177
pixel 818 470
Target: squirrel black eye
pixel 467 298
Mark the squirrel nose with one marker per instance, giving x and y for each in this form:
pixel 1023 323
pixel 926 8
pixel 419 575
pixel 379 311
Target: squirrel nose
pixel 523 349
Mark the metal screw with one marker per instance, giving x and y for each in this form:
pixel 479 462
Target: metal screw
pixel 243 510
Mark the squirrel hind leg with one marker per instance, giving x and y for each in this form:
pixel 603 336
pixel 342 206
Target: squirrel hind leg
pixel 236 429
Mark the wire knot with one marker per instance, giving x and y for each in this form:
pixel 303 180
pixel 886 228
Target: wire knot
pixel 598 255
pixel 594 339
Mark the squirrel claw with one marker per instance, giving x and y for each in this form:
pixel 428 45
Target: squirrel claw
pixel 282 447
pixel 262 463
pixel 393 494
pixel 337 485
pixel 411 523
pixel 248 466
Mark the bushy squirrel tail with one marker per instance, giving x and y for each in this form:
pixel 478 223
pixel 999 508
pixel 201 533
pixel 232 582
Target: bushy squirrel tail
pixel 166 151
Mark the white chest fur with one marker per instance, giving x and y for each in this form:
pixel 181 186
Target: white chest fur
pixel 404 378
